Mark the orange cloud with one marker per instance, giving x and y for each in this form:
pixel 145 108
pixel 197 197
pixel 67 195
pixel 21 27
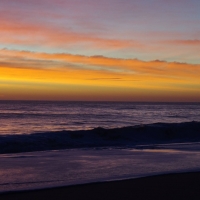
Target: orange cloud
pixel 12 32
pixel 99 63
pixel 186 42
pixel 65 74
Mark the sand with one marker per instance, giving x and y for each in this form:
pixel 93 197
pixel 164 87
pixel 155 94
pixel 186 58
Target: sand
pixel 170 186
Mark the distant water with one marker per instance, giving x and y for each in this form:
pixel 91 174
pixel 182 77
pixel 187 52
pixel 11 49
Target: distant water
pixel 25 117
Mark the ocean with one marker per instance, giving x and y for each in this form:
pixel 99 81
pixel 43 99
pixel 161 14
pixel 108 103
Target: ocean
pixel 27 117
pixel 51 144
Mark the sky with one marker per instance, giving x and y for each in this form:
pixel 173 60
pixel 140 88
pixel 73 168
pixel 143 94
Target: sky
pixel 108 50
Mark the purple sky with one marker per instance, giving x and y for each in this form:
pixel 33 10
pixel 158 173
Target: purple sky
pixel 165 30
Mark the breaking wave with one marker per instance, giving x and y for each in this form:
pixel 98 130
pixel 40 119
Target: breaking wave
pixel 125 137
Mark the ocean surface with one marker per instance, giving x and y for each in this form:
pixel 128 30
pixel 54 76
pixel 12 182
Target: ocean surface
pixel 26 117
pixel 50 144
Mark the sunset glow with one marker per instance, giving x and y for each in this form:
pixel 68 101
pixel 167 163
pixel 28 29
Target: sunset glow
pixel 100 50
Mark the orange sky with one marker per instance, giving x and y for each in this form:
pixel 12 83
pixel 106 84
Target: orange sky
pixel 100 50
pixel 30 75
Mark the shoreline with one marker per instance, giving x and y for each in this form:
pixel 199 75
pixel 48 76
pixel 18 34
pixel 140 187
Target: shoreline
pixel 166 186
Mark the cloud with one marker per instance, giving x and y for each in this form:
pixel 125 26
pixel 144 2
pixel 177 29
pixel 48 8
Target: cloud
pixel 34 75
pixel 108 28
pixel 99 67
pixel 191 42
pixel 26 33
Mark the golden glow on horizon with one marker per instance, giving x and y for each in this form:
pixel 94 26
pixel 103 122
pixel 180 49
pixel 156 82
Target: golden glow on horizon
pixel 28 75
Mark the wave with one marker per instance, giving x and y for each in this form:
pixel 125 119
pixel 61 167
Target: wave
pixel 132 136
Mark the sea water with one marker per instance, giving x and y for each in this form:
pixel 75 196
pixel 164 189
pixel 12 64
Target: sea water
pixel 26 117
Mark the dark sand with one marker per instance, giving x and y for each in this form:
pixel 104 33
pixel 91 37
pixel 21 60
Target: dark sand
pixel 172 186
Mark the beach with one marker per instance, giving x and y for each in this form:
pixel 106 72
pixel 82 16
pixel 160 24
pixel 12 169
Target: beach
pixel 168 186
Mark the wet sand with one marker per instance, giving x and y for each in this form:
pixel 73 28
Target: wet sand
pixel 170 186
